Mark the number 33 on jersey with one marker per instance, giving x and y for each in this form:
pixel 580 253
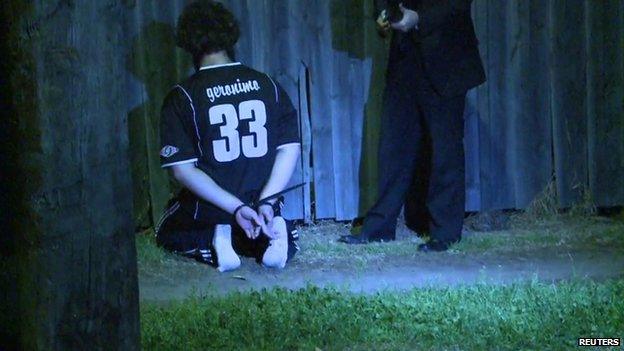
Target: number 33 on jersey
pixel 230 121
pixel 227 118
pixel 231 145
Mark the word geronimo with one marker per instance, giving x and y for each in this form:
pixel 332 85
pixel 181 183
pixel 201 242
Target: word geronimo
pixel 236 88
pixel 599 342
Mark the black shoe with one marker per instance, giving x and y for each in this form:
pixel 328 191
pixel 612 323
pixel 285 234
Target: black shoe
pixel 353 240
pixel 420 230
pixel 433 246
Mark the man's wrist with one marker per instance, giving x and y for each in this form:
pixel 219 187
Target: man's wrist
pixel 238 208
pixel 266 203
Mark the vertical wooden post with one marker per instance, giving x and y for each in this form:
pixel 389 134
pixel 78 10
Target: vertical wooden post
pixel 306 140
pixel 73 251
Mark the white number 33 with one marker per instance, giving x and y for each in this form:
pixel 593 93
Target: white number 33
pixel 229 147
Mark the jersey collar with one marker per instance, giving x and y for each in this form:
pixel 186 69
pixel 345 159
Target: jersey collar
pixel 221 65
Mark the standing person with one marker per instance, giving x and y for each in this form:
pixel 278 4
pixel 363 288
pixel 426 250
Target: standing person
pixel 230 137
pixel 434 60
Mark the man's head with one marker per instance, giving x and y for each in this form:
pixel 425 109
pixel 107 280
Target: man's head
pixel 206 27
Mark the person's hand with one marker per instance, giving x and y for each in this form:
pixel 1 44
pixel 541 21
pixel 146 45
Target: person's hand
pixel 265 211
pixel 383 25
pixel 409 21
pixel 250 222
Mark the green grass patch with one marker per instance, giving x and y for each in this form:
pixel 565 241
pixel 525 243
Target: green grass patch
pixel 527 316
pixel 562 231
pixel 557 232
pixel 320 247
pixel 148 253
pixel 155 262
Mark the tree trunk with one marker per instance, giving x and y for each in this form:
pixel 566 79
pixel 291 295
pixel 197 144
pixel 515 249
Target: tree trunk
pixel 69 258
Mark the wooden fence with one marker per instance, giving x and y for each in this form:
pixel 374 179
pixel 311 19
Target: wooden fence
pixel 551 110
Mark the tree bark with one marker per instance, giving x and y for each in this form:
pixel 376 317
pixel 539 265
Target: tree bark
pixel 69 265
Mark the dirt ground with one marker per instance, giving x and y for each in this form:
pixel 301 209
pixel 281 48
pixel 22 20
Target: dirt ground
pixel 559 249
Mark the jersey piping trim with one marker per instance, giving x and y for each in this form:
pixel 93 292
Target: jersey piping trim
pixel 274 86
pixel 220 65
pixel 286 145
pixel 201 152
pixel 179 163
pixel 168 213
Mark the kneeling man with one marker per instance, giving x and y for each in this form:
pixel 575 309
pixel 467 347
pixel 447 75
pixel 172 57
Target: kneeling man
pixel 230 137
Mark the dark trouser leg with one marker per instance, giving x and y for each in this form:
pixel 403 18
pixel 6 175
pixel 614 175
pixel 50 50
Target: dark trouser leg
pixel 446 197
pixel 401 131
pixel 415 209
pixel 179 233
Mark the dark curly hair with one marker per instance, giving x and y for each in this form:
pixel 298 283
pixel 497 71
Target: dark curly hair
pixel 206 27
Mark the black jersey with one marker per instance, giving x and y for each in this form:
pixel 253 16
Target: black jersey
pixel 230 120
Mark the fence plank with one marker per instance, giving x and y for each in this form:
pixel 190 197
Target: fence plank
pixel 529 100
pixel 605 101
pixel 496 176
pixel 509 120
pixel 475 163
pixel 306 139
pixel 321 63
pixel 568 98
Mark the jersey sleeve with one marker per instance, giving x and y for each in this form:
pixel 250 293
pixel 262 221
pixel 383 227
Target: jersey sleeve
pixel 288 127
pixel 178 140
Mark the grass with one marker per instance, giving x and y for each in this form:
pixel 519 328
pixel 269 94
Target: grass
pixel 319 244
pixel 529 233
pixel 530 316
pixel 561 231
pixel 527 316
pixel 148 254
pixel 155 262
pixel 558 232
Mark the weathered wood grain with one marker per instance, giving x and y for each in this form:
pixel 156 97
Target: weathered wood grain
pixel 568 98
pixel 605 101
pixel 536 83
pixel 77 282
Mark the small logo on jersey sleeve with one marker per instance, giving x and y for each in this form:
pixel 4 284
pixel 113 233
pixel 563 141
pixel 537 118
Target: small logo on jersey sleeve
pixel 169 151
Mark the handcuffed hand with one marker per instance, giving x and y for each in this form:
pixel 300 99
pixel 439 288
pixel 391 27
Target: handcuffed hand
pixel 266 213
pixel 250 222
